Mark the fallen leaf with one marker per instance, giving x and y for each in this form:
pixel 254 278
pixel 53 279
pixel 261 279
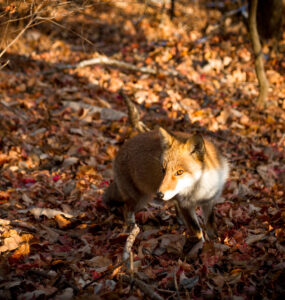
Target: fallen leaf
pixel 11 242
pixel 253 238
pixel 27 199
pixel 23 250
pixel 62 222
pixel 69 161
pixel 173 243
pixel 48 212
pixel 109 114
pixel 189 283
pixel 100 263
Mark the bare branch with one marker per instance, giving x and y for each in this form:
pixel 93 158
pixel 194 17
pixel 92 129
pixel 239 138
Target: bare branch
pixel 259 66
pixel 130 241
pixel 63 27
pixel 33 16
pixel 133 113
pixel 4 65
pixel 145 288
pixel 106 61
pixel 32 19
pixel 17 37
pixel 176 284
pixel 120 64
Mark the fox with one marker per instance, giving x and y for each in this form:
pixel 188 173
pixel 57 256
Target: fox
pixel 186 168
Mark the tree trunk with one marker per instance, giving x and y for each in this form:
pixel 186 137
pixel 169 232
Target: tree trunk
pixel 172 9
pixel 269 19
pixel 259 66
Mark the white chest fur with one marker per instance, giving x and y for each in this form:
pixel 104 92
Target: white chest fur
pixel 210 184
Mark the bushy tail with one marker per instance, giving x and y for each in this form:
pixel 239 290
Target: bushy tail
pixel 112 197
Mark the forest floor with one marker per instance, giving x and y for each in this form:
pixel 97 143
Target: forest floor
pixel 61 128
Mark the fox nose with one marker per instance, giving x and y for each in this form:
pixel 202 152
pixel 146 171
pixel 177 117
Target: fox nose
pixel 159 195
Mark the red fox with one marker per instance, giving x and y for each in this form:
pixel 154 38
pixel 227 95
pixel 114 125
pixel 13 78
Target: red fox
pixel 188 169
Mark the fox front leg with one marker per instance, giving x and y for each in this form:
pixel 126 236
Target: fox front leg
pixel 209 219
pixel 179 216
pixel 191 221
pixel 195 241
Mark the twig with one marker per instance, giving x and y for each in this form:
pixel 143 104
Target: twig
pixel 62 282
pixel 13 110
pixel 133 114
pixel 176 285
pixel 35 16
pixel 106 273
pixel 16 223
pixel 132 269
pixel 106 61
pixel 166 291
pixel 32 19
pixel 146 289
pixel 38 273
pixel 17 37
pixel 258 61
pixel 63 27
pixel 130 241
pixel 4 65
pixel 132 264
pixel 120 64
pixel 217 26
pixel 23 225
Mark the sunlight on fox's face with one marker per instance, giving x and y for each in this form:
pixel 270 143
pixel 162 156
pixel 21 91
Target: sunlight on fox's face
pixel 181 170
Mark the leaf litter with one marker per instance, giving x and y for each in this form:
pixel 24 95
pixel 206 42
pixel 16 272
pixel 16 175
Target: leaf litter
pixel 59 132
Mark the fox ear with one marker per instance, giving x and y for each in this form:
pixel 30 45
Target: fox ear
pixel 197 145
pixel 165 138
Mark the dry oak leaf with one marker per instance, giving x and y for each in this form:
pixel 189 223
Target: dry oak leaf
pixel 27 199
pixel 173 243
pixel 69 161
pixel 100 263
pixel 4 195
pixel 253 238
pixel 62 222
pixel 148 245
pixel 4 158
pixel 11 242
pixel 49 234
pixel 48 212
pixel 23 250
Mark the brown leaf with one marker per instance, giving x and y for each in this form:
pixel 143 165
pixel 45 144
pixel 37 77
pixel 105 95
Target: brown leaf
pixel 23 250
pixel 62 222
pixel 149 245
pixel 253 238
pixel 173 243
pixel 100 263
pixel 48 212
pixel 11 242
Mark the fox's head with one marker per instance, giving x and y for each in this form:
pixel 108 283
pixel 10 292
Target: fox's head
pixel 181 162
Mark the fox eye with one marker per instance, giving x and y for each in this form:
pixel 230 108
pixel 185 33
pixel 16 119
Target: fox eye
pixel 179 172
pixel 163 170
